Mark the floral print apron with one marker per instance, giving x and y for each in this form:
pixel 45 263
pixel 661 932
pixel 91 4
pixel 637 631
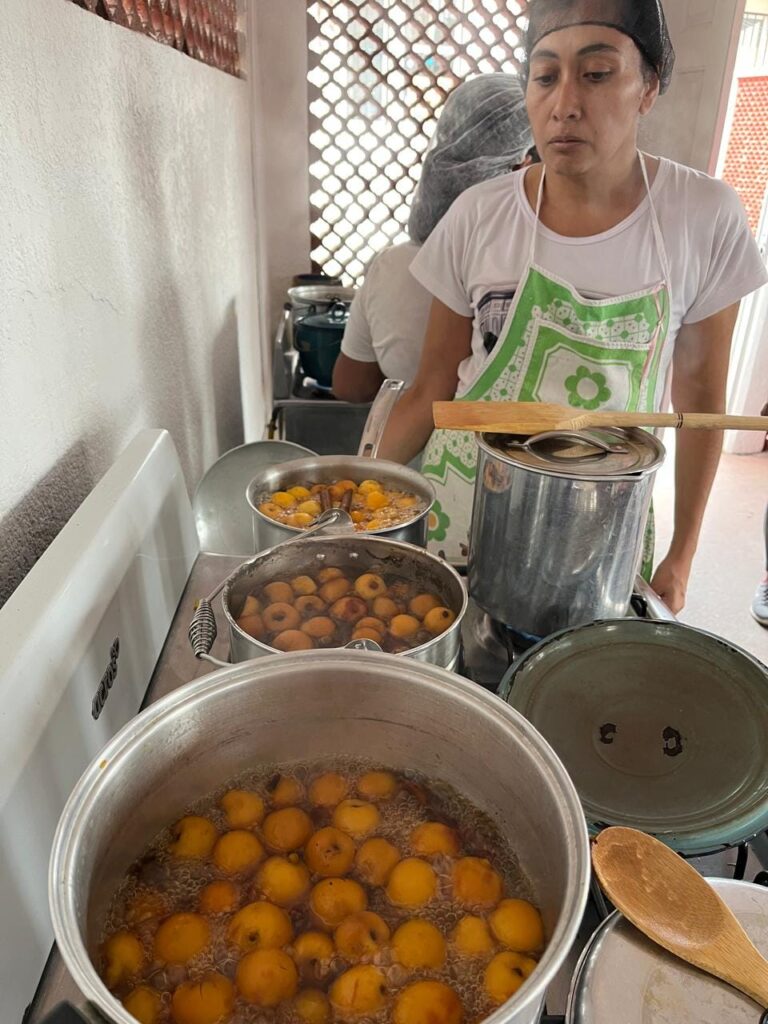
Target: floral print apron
pixel 555 346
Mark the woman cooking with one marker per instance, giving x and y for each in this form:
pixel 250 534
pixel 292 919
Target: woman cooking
pixel 601 278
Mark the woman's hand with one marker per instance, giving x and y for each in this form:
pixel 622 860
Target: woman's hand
pixel 447 342
pixel 670 581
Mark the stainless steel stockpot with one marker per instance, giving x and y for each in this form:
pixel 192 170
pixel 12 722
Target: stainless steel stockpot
pixel 322 469
pixel 305 707
pixel 557 525
pixel 359 552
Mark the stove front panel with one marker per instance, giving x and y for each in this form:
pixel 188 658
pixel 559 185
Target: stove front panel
pixel 79 641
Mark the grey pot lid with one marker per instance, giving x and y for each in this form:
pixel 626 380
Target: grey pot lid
pixel 624 977
pixel 662 727
pixel 586 454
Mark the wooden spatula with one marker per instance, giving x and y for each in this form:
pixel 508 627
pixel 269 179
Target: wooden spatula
pixel 669 901
pixel 537 417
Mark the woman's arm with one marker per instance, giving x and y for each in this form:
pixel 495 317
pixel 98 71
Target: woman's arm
pixel 355 381
pixel 447 342
pixel 699 379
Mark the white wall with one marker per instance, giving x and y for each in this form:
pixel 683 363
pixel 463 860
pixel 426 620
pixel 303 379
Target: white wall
pixel 127 262
pixel 279 40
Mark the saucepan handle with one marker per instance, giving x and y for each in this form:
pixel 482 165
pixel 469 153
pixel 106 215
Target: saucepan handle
pixel 379 413
pixel 654 605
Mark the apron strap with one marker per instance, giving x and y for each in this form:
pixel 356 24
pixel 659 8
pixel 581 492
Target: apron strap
pixel 539 197
pixel 661 249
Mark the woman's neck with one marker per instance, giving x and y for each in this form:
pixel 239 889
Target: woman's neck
pixel 578 206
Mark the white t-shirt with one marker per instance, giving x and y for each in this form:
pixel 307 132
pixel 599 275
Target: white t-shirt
pixel 474 259
pixel 389 315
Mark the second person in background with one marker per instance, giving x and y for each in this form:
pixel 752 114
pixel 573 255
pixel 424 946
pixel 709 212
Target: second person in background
pixel 483 132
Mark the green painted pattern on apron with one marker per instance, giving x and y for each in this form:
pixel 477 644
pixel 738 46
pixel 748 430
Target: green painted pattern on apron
pixel 555 346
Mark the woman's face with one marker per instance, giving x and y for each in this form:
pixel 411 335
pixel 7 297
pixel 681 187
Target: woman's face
pixel 586 92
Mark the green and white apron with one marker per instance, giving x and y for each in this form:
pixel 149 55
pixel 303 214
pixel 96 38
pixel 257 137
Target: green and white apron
pixel 555 346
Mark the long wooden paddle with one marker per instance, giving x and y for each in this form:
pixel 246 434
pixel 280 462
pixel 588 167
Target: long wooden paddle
pixel 537 417
pixel 670 902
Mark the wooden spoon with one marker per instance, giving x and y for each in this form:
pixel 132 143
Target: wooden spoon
pixel 538 417
pixel 667 899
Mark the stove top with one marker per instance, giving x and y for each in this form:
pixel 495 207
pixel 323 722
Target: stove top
pixel 98 629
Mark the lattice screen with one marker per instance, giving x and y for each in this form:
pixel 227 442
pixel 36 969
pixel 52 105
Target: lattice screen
pixel 204 29
pixel 379 73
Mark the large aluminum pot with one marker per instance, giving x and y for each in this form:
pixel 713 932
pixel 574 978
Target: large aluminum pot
pixel 362 553
pixel 322 469
pixel 558 524
pixel 308 706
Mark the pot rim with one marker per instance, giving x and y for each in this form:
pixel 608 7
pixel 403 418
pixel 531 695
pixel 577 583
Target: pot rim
pixel 83 800
pixel 421 487
pixel 573 474
pixel 400 545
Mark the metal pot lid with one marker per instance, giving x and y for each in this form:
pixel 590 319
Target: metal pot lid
pixel 333 319
pixel 662 727
pixel 625 977
pixel 584 454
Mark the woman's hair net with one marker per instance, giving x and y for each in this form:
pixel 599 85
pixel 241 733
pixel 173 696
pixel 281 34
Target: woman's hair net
pixel 482 132
pixel 642 20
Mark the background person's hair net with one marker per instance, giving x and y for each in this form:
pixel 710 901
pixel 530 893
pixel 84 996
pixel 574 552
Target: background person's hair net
pixel 642 20
pixel 482 132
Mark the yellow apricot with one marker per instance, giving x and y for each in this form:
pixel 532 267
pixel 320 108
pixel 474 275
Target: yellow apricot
pixel 285 791
pixel 329 573
pixel 310 507
pixel 418 943
pixel 376 499
pixel 312 1006
pixel 328 789
pixel 282 882
pixel 360 934
pixel 300 493
pixel 300 519
pixel 260 925
pixel 412 883
pixel 283 499
pixel 313 946
pixel 237 851
pixel 369 485
pixel 356 817
pixel 421 604
pixel 471 936
pixel 266 977
pixel 219 897
pixel 329 853
pixel 438 620
pixel 333 899
pixel 476 883
pixel 144 1004
pixel 303 585
pixel 334 589
pixel 369 586
pixel 517 925
pixel 287 829
pixel 123 958
pixel 505 974
pixel 427 1002
pixel 376 785
pixel 252 606
pixel 271 510
pixel 375 860
pixel 194 837
pixel 181 937
pixel 206 1001
pixel 242 808
pixel 359 990
pixel 279 592
pixel 431 838
pixel 385 608
pixel 404 625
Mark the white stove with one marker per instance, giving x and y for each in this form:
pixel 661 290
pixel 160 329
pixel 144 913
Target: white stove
pixel 98 628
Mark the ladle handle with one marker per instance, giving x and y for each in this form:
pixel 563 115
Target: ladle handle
pixel 378 415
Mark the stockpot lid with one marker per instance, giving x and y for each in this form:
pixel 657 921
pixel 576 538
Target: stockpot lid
pixel 662 728
pixel 623 976
pixel 585 454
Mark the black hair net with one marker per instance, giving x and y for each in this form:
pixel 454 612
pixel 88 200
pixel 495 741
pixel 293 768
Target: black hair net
pixel 642 20
pixel 482 132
